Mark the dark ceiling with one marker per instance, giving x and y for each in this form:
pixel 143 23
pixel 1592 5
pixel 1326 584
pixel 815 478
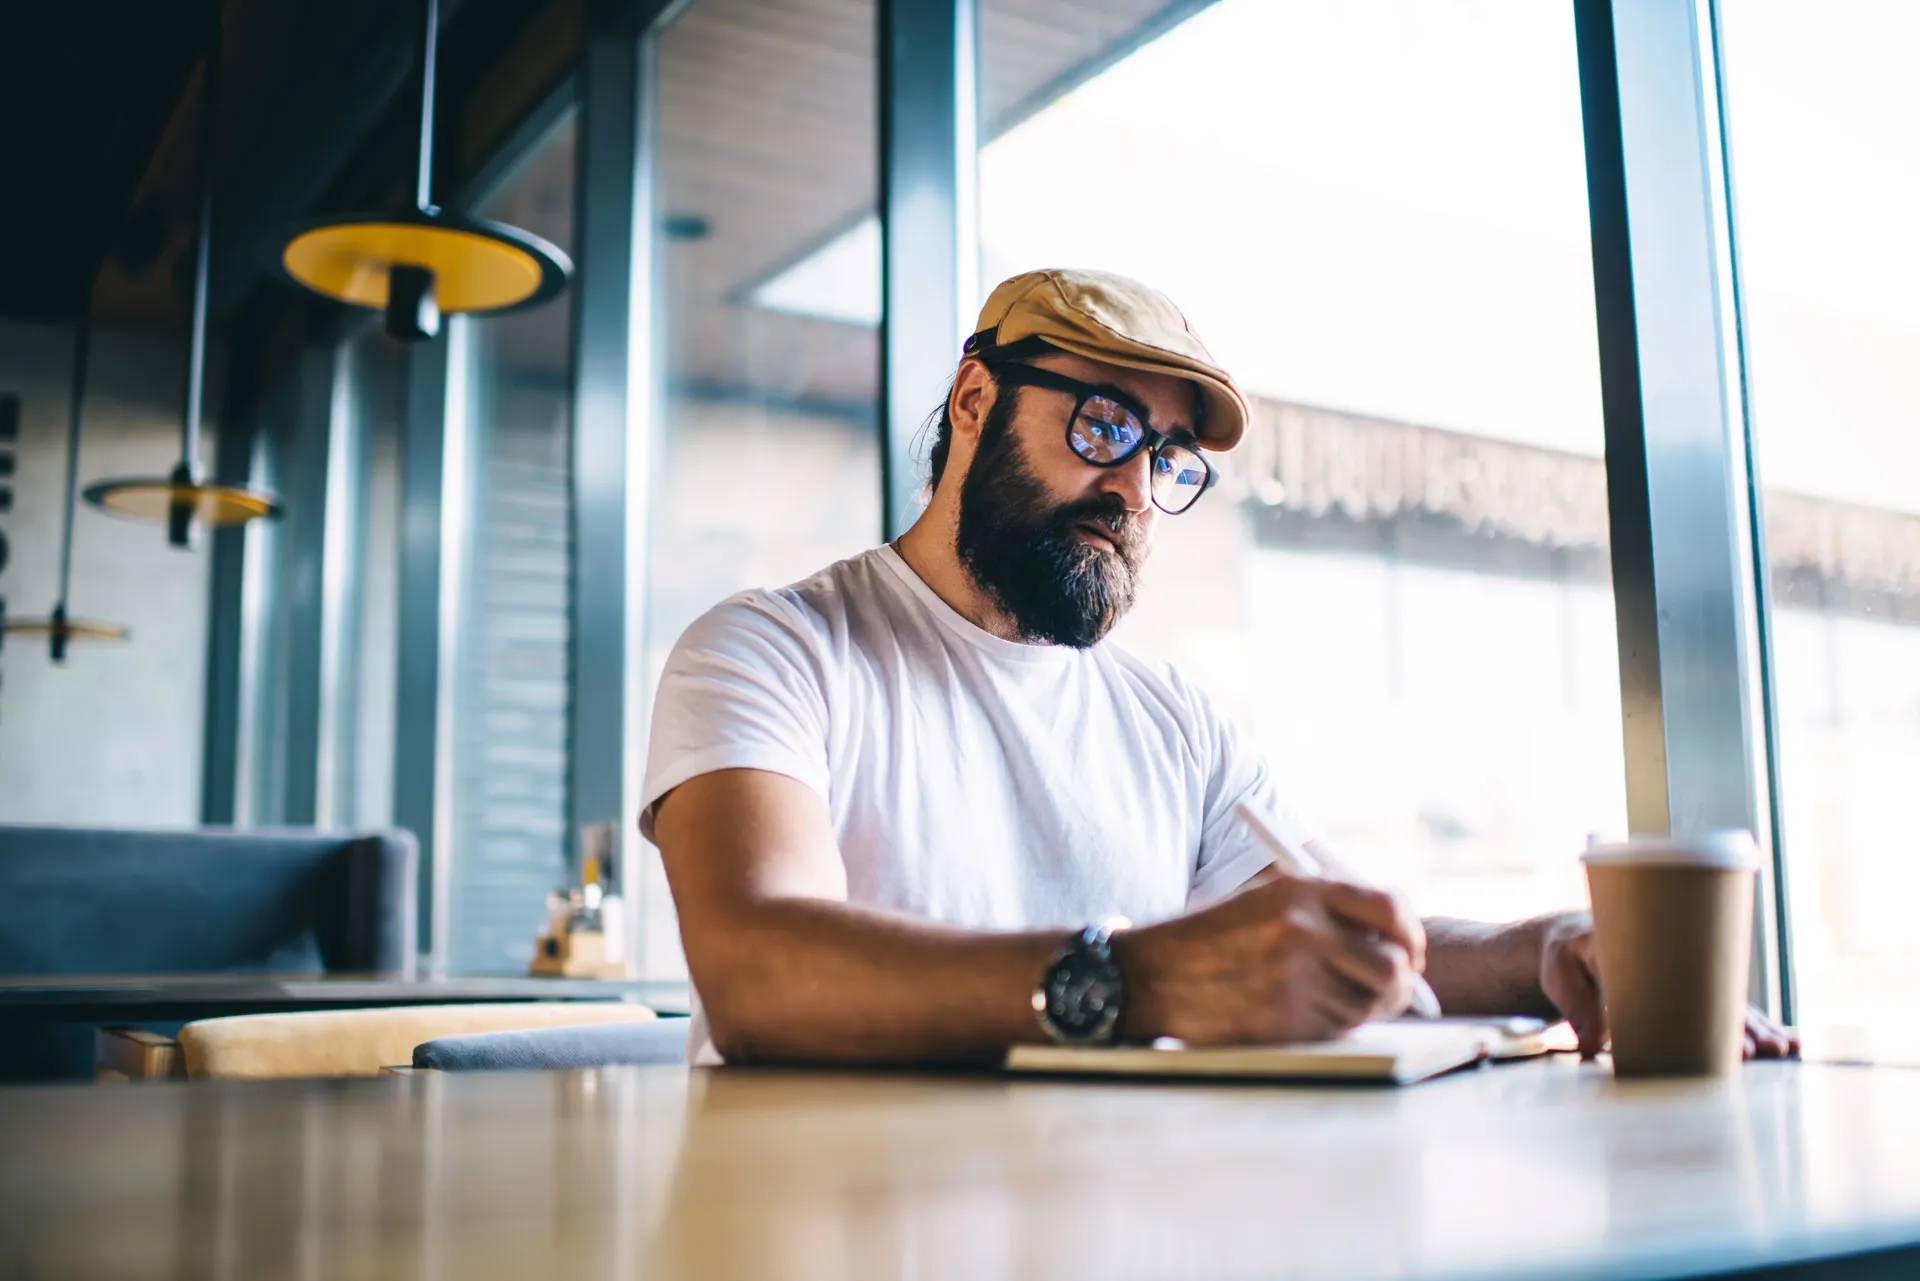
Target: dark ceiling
pixel 86 90
pixel 99 104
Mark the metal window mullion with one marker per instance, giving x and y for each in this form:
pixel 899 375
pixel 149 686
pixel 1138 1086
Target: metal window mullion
pixel 928 209
pixel 1672 417
pixel 611 382
pixel 261 693
pixel 1760 566
pixel 341 592
pixel 228 638
pixel 309 616
pixel 433 494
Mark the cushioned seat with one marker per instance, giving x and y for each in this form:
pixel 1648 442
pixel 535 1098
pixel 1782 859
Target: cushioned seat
pixel 552 1048
pixel 361 1042
pixel 78 900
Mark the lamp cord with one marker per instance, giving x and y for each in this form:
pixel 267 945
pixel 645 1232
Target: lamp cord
pixel 82 341
pixel 429 55
pixel 202 255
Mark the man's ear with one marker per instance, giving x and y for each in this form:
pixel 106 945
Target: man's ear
pixel 968 402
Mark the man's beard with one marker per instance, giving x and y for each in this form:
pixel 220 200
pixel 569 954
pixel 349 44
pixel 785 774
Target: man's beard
pixel 1023 551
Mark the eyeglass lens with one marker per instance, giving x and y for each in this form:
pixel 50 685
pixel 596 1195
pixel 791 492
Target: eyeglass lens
pixel 1107 433
pixel 1179 478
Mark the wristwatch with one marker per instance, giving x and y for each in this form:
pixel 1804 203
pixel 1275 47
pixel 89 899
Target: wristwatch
pixel 1081 997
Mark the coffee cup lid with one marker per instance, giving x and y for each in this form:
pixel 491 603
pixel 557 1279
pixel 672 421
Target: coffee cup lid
pixel 1732 849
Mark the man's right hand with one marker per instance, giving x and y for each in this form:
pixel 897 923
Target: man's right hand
pixel 1288 959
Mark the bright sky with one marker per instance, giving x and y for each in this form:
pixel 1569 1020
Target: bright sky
pixel 1376 205
pixel 1380 206
pixel 1824 121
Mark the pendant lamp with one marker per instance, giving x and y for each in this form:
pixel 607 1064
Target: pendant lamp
pixel 58 628
pixel 420 263
pixel 182 499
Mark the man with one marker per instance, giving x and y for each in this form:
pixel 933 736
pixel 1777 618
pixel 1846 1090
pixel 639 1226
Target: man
pixel 901 802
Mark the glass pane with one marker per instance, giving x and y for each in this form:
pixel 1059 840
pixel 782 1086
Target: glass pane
pixel 1375 213
pixel 509 830
pixel 367 518
pixel 1823 131
pixel 262 777
pixel 765 463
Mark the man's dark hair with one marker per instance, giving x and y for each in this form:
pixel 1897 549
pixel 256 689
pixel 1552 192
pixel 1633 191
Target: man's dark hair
pixel 941 421
pixel 995 359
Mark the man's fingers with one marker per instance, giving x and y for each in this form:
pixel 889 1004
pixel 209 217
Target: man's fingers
pixel 1330 1019
pixel 1350 1003
pixel 1374 964
pixel 1767 1039
pixel 1381 912
pixel 1569 981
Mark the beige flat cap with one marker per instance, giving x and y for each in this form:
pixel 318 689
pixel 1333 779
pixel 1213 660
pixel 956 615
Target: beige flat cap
pixel 1102 316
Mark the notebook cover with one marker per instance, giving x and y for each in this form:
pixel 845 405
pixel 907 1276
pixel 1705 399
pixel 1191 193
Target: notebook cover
pixel 1399 1053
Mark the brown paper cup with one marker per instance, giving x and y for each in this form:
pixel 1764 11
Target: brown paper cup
pixel 1673 927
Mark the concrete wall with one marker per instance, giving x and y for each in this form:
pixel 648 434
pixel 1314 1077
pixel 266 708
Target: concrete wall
pixel 113 736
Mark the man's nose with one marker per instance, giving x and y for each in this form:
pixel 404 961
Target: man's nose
pixel 1132 481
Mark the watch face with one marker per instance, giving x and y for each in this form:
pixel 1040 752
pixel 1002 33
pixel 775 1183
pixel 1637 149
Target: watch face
pixel 1080 995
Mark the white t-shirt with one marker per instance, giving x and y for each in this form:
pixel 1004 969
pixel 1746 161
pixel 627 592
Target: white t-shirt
pixel 970 779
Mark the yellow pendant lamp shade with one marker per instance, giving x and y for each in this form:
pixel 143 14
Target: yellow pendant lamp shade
pixel 181 499
pixel 61 630
pixel 57 627
pixel 424 261
pixel 77 628
pixel 416 265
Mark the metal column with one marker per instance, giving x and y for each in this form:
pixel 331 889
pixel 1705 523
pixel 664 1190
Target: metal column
pixel 433 495
pixel 311 615
pixel 220 768
pixel 1675 420
pixel 611 430
pixel 928 205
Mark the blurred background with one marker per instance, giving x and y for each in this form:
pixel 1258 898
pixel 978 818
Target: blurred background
pixel 1375 212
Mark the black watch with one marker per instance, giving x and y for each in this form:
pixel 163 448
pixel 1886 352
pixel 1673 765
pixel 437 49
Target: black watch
pixel 1081 997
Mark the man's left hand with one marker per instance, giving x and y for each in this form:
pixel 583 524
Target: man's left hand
pixel 1570 978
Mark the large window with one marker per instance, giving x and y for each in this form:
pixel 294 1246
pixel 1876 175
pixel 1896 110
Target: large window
pixel 320 593
pixel 766 463
pixel 1375 214
pixel 1823 125
pixel 508 839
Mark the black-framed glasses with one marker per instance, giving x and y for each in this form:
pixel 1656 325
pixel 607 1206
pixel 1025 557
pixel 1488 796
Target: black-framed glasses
pixel 1109 428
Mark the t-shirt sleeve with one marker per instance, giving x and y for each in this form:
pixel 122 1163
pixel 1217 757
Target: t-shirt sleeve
pixel 742 689
pixel 1230 854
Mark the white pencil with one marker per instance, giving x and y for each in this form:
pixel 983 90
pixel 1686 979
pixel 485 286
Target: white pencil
pixel 1424 1002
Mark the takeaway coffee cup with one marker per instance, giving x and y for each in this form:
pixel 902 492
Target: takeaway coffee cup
pixel 1673 926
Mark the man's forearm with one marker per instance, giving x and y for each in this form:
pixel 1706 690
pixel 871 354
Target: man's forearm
pixel 1481 968
pixel 822 981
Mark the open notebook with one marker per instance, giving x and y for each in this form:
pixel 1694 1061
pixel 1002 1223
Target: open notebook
pixel 1400 1052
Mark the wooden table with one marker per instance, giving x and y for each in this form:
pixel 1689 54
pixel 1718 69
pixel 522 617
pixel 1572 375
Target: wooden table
pixel 1544 1169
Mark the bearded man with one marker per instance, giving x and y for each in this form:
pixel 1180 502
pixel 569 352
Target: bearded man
pixel 917 807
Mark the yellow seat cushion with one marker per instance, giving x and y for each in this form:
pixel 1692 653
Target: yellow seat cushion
pixel 361 1042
